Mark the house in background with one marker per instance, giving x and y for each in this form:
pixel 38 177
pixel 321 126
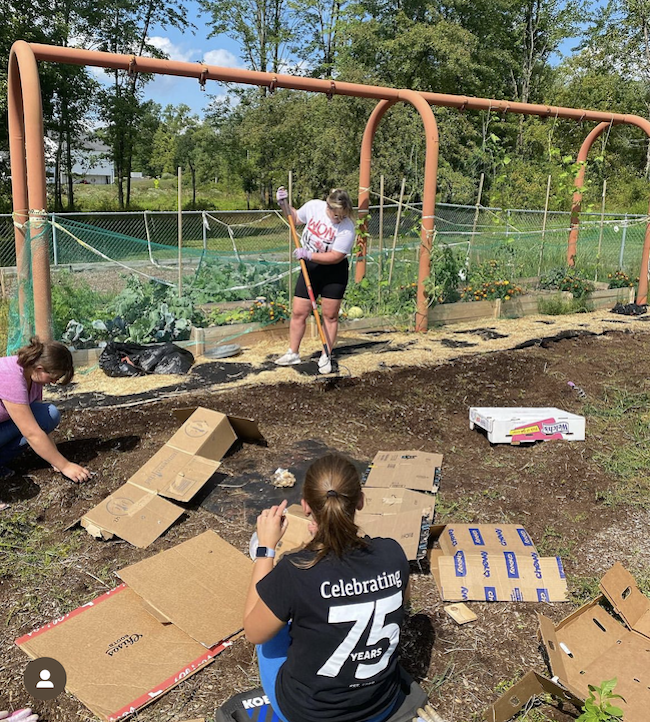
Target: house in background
pixel 91 164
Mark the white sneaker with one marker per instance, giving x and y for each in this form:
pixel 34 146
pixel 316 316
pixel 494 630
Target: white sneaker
pixel 324 364
pixel 290 358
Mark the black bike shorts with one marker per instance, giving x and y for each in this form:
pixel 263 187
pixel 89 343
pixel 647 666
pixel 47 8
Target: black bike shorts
pixel 327 281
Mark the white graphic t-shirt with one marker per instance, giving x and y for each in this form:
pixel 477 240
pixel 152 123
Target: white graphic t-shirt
pixel 320 234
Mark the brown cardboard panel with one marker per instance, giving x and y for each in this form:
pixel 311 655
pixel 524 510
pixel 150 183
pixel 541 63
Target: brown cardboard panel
pixel 200 586
pixel 477 538
pixel 207 433
pixel 397 501
pixel 517 697
pixel 460 613
pixel 405 528
pixel 592 645
pixel 246 429
pixel 297 532
pixel 174 473
pixel 177 471
pixel 417 470
pixel 501 577
pixel 133 514
pixel 619 586
pixel 116 655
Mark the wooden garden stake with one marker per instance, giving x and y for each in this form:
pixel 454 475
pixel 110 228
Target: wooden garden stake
pixel 475 222
pixel 380 263
pixel 180 234
pixel 290 243
pixel 541 248
pixel 397 221
pixel 600 233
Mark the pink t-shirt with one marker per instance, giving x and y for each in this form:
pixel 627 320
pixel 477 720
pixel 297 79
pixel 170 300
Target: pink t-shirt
pixel 13 386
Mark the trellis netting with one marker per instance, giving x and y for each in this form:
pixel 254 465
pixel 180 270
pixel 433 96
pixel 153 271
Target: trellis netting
pixel 235 255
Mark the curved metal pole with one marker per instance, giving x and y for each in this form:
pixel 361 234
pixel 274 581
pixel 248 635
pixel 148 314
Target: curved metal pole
pixel 29 185
pixel 429 191
pixel 428 200
pixel 34 146
pixel 572 249
pixel 364 182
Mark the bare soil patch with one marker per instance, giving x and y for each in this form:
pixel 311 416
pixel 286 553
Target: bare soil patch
pixel 551 488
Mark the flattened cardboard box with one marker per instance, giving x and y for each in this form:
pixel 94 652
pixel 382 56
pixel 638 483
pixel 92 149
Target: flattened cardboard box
pixel 137 511
pixel 399 514
pixel 416 470
pixel 592 645
pixel 493 563
pixel 119 657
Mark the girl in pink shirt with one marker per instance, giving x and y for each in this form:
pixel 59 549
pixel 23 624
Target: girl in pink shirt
pixel 24 418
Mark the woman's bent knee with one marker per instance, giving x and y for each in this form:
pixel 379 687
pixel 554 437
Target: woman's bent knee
pixel 47 416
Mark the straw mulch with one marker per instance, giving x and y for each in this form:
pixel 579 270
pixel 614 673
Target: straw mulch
pixel 396 349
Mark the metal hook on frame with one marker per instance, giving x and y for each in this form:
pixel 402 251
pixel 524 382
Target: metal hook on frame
pixel 131 71
pixel 330 95
pixel 273 84
pixel 203 77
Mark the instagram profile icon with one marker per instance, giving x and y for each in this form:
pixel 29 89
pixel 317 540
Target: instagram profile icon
pixel 44 678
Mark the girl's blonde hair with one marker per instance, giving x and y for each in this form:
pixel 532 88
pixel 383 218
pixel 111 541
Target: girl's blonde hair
pixel 339 200
pixel 54 357
pixel 333 492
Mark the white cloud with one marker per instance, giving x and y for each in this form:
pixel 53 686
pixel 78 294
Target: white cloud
pixel 174 51
pixel 222 57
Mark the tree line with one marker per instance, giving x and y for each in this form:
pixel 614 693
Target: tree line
pixel 503 49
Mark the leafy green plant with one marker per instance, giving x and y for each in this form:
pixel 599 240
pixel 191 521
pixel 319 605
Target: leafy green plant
pixel 557 305
pixel 620 279
pixel 73 298
pixel 442 284
pixel 216 282
pixel 567 279
pixel 491 290
pixel 602 709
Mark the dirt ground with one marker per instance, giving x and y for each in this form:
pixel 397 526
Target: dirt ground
pixel 551 488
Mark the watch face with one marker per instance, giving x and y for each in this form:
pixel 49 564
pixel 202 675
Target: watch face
pixel 261 552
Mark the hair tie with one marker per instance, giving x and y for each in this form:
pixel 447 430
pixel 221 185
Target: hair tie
pixel 332 492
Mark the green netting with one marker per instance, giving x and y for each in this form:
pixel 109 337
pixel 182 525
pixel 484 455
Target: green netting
pixel 229 256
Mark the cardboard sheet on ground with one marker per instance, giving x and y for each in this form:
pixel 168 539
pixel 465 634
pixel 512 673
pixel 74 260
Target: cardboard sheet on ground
pixel 140 510
pixel 118 654
pixel 399 514
pixel 492 563
pixel 606 638
pixel 416 470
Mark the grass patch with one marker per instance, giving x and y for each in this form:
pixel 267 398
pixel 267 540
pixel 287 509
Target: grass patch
pixel 28 551
pixel 619 421
pixel 560 306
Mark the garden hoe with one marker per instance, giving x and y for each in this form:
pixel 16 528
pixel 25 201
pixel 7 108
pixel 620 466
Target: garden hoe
pixel 327 346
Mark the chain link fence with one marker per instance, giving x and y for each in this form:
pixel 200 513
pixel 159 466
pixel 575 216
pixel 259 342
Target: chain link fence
pixel 529 241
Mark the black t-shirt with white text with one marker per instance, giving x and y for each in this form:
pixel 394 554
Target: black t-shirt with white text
pixel 346 615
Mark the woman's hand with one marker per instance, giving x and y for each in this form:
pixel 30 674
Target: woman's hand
pixel 74 472
pixel 271 525
pixel 20 715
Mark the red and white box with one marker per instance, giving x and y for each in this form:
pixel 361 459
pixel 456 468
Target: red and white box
pixel 512 425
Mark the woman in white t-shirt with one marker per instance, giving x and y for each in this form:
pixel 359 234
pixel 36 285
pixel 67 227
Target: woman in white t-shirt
pixel 327 240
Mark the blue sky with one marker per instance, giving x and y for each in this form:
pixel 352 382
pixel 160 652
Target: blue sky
pixel 188 47
pixel 222 50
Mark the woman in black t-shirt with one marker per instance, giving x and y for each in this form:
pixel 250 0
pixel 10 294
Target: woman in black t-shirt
pixel 327 619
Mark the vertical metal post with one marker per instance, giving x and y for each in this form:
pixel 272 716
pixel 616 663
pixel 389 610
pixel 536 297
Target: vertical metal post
pixel 55 250
pixel 180 234
pixel 204 223
pixel 621 254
